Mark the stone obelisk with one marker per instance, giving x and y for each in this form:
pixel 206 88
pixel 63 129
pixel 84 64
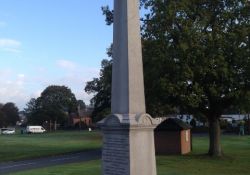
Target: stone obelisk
pixel 128 138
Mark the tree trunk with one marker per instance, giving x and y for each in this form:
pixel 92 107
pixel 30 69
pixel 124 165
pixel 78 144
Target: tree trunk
pixel 80 123
pixel 50 125
pixel 214 137
pixel 55 126
pixel 248 123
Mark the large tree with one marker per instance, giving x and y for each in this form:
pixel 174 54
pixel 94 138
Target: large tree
pixel 34 112
pixel 200 52
pixel 2 116
pixel 196 58
pixel 10 112
pixel 57 102
pixel 54 104
pixel 81 105
pixel 101 88
pixel 2 119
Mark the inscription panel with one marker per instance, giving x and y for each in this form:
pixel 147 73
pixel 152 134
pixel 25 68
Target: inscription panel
pixel 115 154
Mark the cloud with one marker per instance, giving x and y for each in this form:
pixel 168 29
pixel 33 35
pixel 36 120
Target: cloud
pixel 75 77
pixel 36 94
pixel 5 73
pixel 20 87
pixel 10 45
pixel 12 50
pixel 66 64
pixel 12 88
pixel 76 81
pixel 20 75
pixel 3 24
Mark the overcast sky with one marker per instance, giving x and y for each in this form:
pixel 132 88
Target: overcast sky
pixel 50 42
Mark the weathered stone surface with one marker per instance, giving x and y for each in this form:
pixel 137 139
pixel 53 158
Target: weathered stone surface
pixel 128 85
pixel 115 154
pixel 128 145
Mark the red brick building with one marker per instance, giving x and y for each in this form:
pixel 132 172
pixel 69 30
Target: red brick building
pixel 82 118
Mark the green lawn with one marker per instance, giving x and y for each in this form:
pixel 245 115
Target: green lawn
pixel 16 147
pixel 88 168
pixel 235 162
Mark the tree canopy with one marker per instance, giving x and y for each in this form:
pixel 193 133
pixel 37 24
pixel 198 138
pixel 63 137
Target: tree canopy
pixel 101 87
pixel 201 52
pixel 9 114
pixel 2 118
pixel 81 105
pixel 54 104
pixel 202 49
pixel 34 112
pixel 196 59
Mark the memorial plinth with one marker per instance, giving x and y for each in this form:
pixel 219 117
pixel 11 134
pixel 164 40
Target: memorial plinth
pixel 128 137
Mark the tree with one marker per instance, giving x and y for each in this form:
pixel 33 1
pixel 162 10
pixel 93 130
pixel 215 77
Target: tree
pixel 57 102
pixel 81 105
pixel 54 104
pixel 101 87
pixel 10 112
pixel 34 112
pixel 108 14
pixel 2 119
pixel 196 58
pixel 1 106
pixel 2 116
pixel 201 52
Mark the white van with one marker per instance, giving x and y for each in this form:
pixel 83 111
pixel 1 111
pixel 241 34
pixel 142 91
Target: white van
pixel 34 129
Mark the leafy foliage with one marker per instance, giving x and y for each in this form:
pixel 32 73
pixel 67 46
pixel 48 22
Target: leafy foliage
pixel 55 103
pixel 108 14
pixel 101 87
pixel 81 104
pixel 34 112
pixel 2 116
pixel 201 49
pixel 2 119
pixel 10 114
pixel 196 58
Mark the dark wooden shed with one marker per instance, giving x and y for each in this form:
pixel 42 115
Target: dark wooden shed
pixel 173 136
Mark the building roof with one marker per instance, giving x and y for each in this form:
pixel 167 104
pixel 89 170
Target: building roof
pixel 172 124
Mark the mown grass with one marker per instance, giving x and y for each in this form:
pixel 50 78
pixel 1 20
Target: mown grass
pixel 235 161
pixel 26 146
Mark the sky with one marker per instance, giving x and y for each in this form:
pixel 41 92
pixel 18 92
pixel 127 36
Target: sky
pixel 50 42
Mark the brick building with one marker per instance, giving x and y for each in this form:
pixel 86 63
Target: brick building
pixel 82 118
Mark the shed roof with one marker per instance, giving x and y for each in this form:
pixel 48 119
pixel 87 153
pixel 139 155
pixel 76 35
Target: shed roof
pixel 172 124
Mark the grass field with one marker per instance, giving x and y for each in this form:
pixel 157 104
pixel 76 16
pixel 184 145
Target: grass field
pixel 17 147
pixel 235 162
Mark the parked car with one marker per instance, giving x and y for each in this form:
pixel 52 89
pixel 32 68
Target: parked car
pixel 35 129
pixel 8 131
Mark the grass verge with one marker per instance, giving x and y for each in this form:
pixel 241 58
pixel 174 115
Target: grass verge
pixel 235 162
pixel 18 147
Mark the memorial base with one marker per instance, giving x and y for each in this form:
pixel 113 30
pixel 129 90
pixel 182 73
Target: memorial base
pixel 128 145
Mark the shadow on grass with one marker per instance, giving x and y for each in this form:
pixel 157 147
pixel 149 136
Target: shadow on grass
pixel 206 156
